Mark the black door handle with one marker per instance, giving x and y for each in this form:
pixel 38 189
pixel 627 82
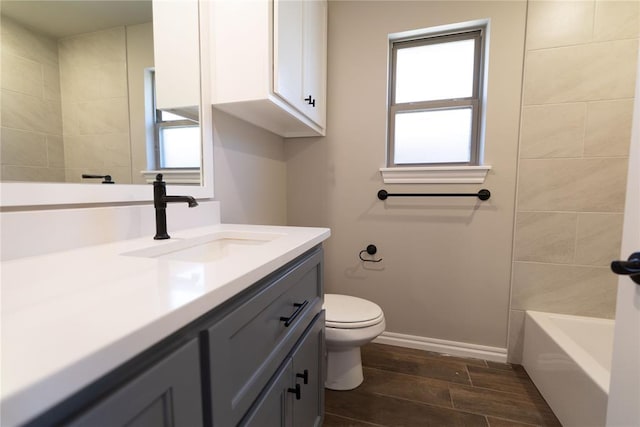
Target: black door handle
pixel 630 267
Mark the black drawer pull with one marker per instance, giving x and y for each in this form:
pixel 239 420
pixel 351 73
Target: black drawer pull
pixel 304 376
pixel 289 320
pixel 295 390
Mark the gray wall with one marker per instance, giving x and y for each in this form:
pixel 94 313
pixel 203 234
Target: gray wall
pixel 446 269
pixel 250 172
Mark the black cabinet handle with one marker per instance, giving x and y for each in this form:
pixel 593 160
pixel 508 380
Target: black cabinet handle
pixel 296 391
pixel 304 376
pixel 311 101
pixel 299 307
pixel 630 267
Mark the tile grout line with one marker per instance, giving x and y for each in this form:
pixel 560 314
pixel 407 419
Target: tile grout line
pixel 441 358
pixel 453 383
pixel 508 420
pixel 415 376
pixel 355 419
pixel 502 417
pixel 434 405
pixel 524 394
pixel 466 368
pixel 453 405
pixel 462 411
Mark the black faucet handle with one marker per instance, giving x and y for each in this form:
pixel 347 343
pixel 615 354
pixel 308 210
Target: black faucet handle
pixel 159 177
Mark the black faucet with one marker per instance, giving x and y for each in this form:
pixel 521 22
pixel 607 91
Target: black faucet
pixel 160 200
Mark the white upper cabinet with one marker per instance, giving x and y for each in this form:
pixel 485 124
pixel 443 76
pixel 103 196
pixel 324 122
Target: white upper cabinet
pixel 288 50
pixel 269 63
pixel 314 69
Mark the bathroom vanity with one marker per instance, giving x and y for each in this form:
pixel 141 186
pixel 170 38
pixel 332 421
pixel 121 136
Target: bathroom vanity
pixel 220 325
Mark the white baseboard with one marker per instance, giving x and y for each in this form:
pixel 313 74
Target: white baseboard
pixel 454 348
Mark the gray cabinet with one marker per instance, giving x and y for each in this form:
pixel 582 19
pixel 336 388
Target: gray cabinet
pixel 275 407
pixel 256 360
pixel 295 395
pixel 308 363
pixel 167 394
pixel 249 344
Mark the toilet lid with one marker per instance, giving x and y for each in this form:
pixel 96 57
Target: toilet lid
pixel 347 312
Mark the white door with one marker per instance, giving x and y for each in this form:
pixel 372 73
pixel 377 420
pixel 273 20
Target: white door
pixel 624 393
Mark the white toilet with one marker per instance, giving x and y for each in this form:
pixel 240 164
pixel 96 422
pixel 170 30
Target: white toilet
pixel 350 323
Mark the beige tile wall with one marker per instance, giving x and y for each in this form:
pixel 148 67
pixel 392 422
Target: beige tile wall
pixel 95 108
pixel 579 81
pixel 31 131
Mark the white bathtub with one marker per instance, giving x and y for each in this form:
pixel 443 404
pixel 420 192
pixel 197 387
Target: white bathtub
pixel 569 360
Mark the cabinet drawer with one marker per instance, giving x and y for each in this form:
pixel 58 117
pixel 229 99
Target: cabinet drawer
pixel 248 345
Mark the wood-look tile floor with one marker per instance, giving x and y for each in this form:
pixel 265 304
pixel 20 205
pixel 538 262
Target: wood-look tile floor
pixel 406 387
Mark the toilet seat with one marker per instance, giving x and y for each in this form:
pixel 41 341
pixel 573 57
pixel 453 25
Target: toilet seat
pixel 347 312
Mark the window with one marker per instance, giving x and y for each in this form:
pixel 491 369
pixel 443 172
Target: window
pixel 176 139
pixel 435 99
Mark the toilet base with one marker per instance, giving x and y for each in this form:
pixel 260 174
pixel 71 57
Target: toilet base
pixel 344 369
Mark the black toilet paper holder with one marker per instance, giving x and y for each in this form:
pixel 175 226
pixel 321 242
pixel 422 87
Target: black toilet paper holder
pixel 371 250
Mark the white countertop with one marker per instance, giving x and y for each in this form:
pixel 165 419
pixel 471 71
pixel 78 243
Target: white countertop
pixel 70 317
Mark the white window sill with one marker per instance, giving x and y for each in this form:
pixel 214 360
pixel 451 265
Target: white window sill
pixel 435 175
pixel 174 176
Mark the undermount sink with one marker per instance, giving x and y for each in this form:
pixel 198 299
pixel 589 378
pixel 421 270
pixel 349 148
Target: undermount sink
pixel 207 248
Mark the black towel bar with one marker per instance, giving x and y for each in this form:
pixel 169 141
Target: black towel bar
pixel 483 194
pixel 107 178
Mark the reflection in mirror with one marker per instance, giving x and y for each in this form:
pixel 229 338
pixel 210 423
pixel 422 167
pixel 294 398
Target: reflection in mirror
pixel 79 84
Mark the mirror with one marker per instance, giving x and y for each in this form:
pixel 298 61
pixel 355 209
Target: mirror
pixel 100 88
